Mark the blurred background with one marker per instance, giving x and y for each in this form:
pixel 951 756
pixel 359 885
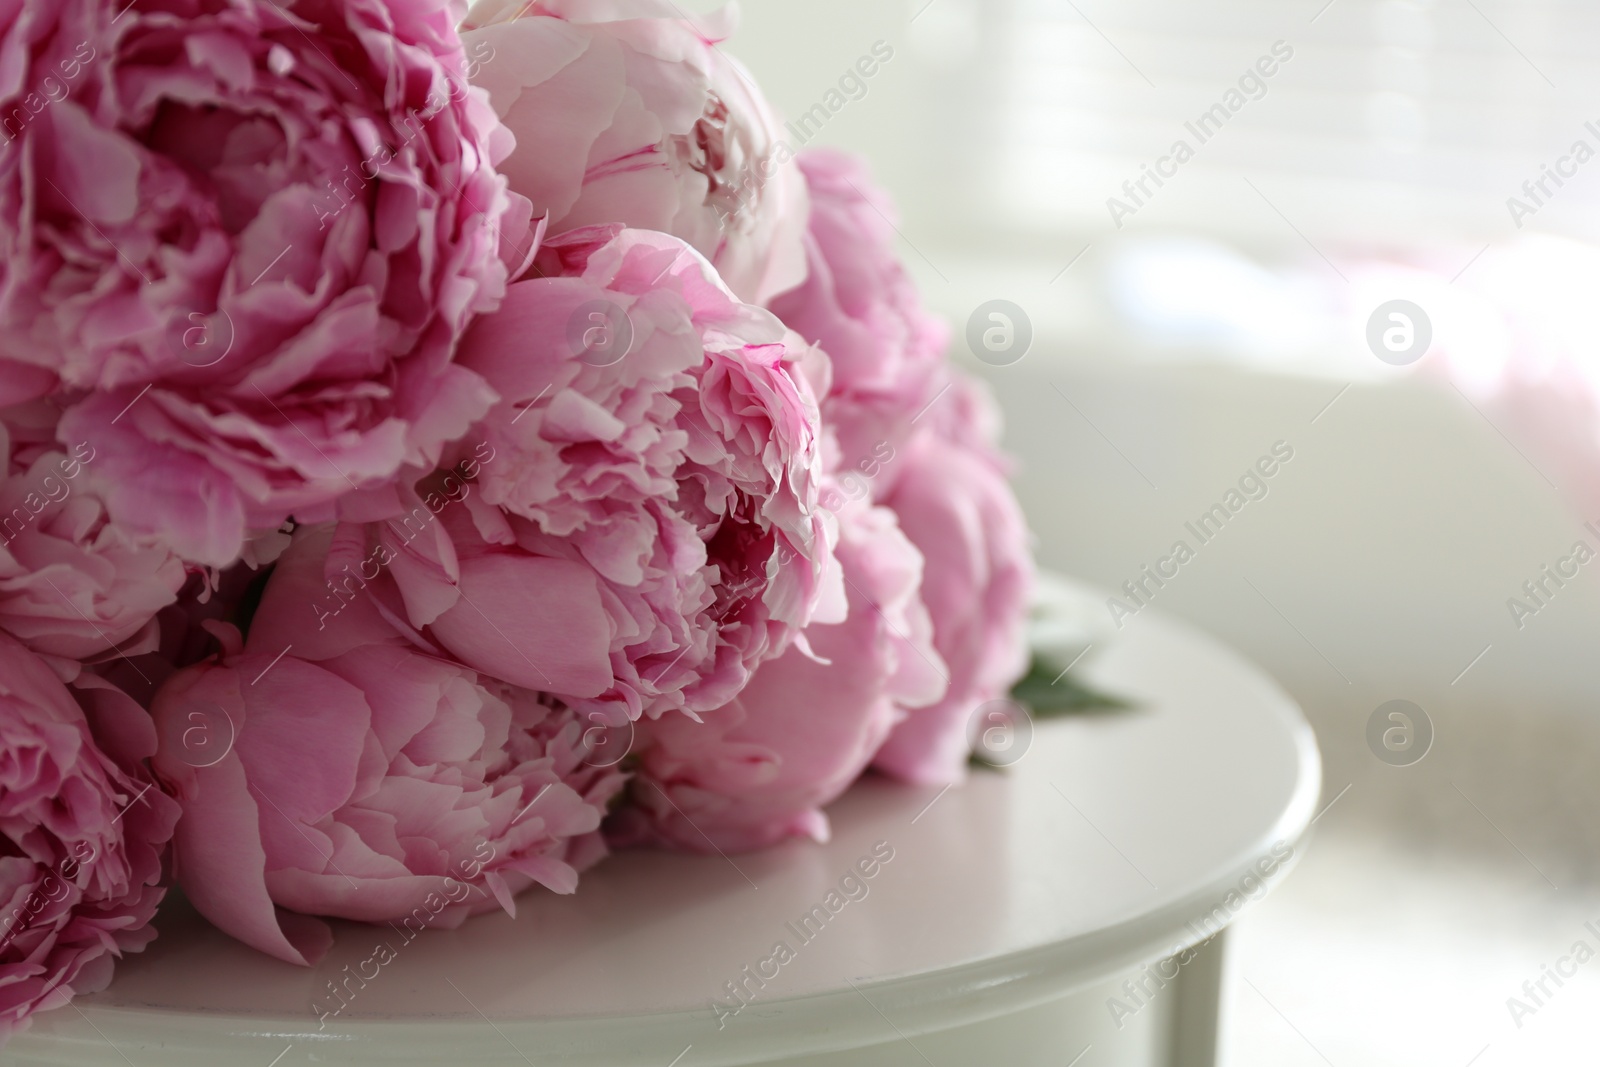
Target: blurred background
pixel 1397 150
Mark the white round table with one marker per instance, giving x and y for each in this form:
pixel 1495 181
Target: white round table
pixel 1027 917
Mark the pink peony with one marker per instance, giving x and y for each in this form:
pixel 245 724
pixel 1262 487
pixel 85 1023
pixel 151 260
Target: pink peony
pixel 634 533
pixel 538 621
pixel 627 112
pixel 254 232
pixel 949 489
pixel 917 437
pixel 378 783
pixel 859 304
pixel 82 831
pixel 761 767
pixel 73 584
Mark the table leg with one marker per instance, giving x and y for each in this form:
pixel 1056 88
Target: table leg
pixel 1197 1011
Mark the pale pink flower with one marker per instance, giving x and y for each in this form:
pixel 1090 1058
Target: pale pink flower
pixel 762 767
pixel 73 584
pixel 950 493
pixel 83 830
pixel 628 112
pixel 915 435
pixel 862 307
pixel 634 533
pixel 378 783
pixel 245 238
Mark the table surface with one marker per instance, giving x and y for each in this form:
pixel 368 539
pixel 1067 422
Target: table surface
pixel 1101 848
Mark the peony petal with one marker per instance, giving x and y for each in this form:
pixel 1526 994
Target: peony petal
pixel 534 622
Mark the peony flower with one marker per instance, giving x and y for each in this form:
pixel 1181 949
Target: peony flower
pixel 245 238
pixel 516 616
pixel 380 784
pixel 949 490
pixel 82 831
pixel 73 584
pixel 915 436
pixel 761 767
pixel 629 113
pixel 859 304
pixel 633 533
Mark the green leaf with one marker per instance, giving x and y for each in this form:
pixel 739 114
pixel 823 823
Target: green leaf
pixel 1049 690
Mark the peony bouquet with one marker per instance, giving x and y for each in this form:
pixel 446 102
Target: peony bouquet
pixel 442 445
